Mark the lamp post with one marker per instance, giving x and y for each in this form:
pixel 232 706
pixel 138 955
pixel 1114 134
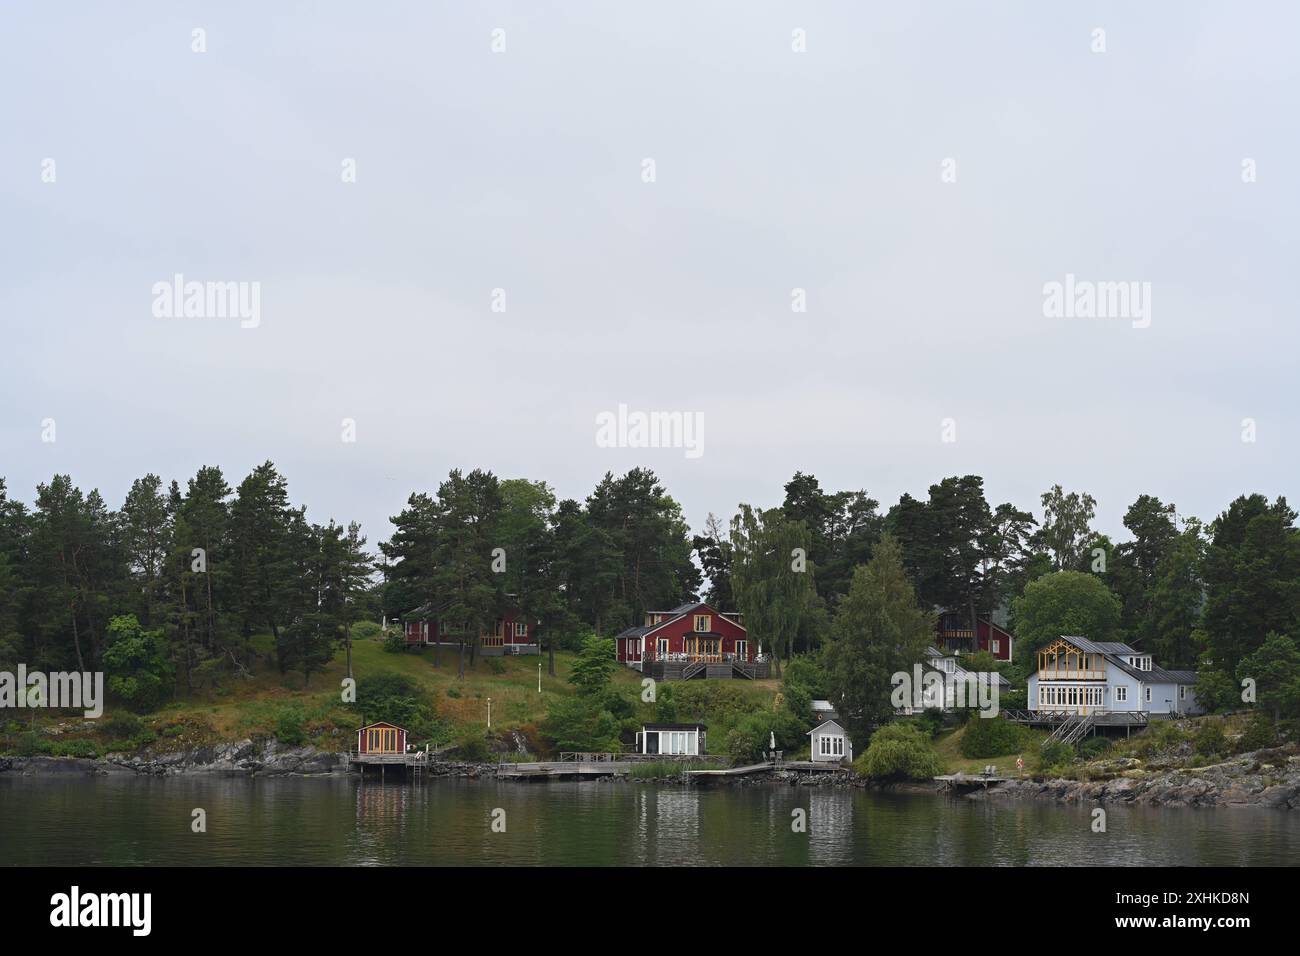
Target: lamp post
pixel 489 703
pixel 539 677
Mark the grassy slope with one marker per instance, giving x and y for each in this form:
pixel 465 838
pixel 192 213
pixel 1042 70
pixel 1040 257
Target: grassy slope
pixel 249 707
pixel 948 746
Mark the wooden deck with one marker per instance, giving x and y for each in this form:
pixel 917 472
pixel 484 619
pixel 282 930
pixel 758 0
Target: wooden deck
pixel 812 766
pixel 969 781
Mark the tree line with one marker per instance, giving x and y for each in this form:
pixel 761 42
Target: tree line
pixel 203 568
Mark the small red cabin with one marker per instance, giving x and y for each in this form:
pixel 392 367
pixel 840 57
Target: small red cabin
pixel 953 633
pixel 381 738
pixel 511 633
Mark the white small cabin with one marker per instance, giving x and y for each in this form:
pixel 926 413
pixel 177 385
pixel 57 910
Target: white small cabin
pixel 671 739
pixel 830 743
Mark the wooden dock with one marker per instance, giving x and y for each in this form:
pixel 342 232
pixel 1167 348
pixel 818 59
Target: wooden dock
pixel 969 781
pixel 811 766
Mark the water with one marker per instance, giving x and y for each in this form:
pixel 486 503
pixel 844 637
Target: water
pixel 344 821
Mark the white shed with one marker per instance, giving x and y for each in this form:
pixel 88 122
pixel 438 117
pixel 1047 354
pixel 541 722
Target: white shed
pixel 830 743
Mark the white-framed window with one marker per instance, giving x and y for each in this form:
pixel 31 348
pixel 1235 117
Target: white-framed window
pixel 1121 695
pixel 742 650
pixel 702 622
pixel 830 745
pixel 997 646
pixel 521 628
pixel 1148 695
pixel 948 665
pixel 661 647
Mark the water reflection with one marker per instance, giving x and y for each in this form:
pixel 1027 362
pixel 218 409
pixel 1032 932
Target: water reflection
pixel 347 821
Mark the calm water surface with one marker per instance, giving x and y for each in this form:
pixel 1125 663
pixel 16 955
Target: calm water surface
pixel 344 821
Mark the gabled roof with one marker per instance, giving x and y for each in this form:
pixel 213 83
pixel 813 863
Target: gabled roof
pixel 826 725
pixel 380 723
pixel 679 612
pixel 1116 651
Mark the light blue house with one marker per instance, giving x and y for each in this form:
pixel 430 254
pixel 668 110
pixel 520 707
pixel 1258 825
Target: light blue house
pixel 1079 676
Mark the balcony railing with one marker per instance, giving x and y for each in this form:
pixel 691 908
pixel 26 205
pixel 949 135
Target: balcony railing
pixel 1063 674
pixel 650 657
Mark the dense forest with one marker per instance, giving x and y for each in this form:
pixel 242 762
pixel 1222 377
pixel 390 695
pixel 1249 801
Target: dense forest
pixel 165 592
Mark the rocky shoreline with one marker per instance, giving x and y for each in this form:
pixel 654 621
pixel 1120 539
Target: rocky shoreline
pixel 1261 779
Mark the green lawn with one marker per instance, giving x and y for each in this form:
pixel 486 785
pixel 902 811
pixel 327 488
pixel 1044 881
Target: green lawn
pixel 948 746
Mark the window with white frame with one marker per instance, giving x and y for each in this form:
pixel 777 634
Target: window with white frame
pixel 521 628
pixel 702 622
pixel 997 646
pixel 1148 695
pixel 661 647
pixel 1121 695
pixel 831 745
pixel 1182 691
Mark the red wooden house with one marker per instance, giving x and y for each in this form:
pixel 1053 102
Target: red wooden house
pixel 511 633
pixel 953 633
pixel 690 640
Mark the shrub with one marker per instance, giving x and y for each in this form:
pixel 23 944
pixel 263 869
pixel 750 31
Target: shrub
pixel 473 747
pixel 899 751
pixel 1210 740
pixel 32 744
pixel 394 641
pixel 581 724
pixel 1056 754
pixel 930 721
pixel 991 737
pixel 753 734
pixel 288 727
pixel 1094 747
pixel 1258 734
pixel 367 630
pixel 123 726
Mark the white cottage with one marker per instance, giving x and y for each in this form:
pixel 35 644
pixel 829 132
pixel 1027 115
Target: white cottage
pixel 830 743
pixel 674 740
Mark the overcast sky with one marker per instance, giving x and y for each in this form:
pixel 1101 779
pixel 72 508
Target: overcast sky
pixel 774 170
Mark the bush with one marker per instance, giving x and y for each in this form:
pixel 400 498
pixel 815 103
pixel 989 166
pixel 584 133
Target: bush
pixel 32 744
pixel 581 724
pixel 394 641
pixel 1210 740
pixel 472 747
pixel 367 630
pixel 1056 754
pixel 899 751
pixel 930 721
pixel 123 726
pixel 288 727
pixel 991 737
pixel 1258 734
pixel 752 736
pixel 1094 747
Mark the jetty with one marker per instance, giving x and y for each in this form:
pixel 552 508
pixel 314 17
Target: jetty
pixel 970 781
pixel 772 763
pixel 573 764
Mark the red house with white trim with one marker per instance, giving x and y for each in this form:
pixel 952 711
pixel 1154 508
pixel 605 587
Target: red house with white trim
pixel 511 633
pixel 690 640
pixel 953 633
